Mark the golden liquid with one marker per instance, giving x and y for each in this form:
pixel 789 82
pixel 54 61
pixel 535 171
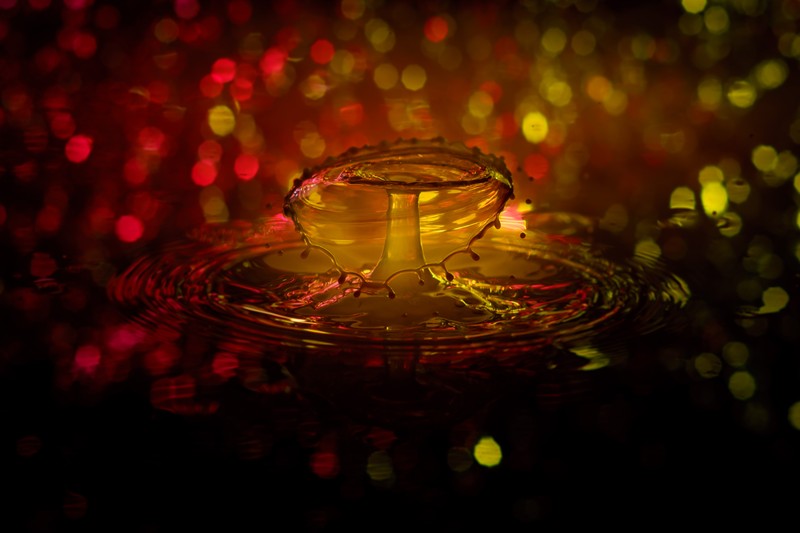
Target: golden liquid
pixel 399 248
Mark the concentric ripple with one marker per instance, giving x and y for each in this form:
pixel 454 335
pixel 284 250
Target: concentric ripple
pixel 265 284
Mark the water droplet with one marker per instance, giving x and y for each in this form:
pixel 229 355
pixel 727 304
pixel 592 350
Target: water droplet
pixel 453 276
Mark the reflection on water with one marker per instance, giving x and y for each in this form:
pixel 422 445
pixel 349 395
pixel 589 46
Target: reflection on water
pixel 543 289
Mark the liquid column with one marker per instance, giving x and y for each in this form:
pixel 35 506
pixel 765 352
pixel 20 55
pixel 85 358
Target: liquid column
pixel 402 249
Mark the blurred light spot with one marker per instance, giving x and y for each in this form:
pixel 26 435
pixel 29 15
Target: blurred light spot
pixel 707 365
pixel 84 45
pixel 709 92
pixel 87 359
pixel 151 139
pixel 129 228
pixel 598 88
pixel 459 459
pixel 380 35
pixel 241 89
pixel 785 166
pixel 272 61
pixel 385 76
pixel 322 51
pixel 775 299
pixel 210 150
pixel 204 172
pixel 742 385
pixel 714 197
pixel 379 466
pixel 223 70
pixel 480 104
pixel 314 87
pixel 343 62
pixel 710 174
pixel 558 93
pixel 771 73
pixel 716 20
pixel 616 103
pixel 693 6
pixel 212 201
pixel 534 127
pixel 246 166
pixel 682 198
pixel 554 40
pixel 436 29
pixel 738 190
pixel 583 43
pixel 794 415
pixel 312 145
pixel 473 125
pixel 78 148
pixel 487 452
pixel 166 30
pixel 135 171
pixel 325 464
pixel 161 359
pixel 414 77
pixel 221 120
pixel 764 158
pixel 742 94
pixel 735 353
